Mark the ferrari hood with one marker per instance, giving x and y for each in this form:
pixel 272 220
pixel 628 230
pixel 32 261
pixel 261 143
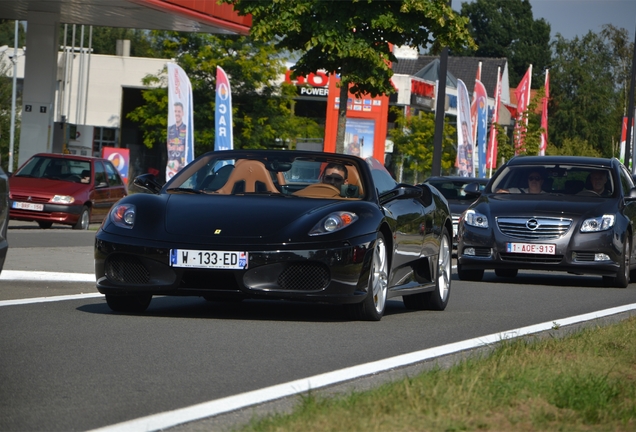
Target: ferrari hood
pixel 241 216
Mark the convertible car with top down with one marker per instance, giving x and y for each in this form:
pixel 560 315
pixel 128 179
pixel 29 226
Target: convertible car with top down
pixel 284 225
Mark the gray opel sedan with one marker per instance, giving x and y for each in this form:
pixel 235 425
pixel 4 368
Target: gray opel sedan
pixel 552 213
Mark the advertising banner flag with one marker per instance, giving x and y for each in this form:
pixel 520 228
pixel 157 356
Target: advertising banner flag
pixel 223 137
pixel 481 101
pixel 464 161
pixel 492 142
pixel 180 121
pixel 120 157
pixel 544 115
pixel 523 99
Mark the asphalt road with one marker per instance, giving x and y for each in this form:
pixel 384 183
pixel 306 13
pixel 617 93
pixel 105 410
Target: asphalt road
pixel 75 365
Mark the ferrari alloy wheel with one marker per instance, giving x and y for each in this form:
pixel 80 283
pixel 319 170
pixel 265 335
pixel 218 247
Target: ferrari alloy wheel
pixel 372 307
pixel 84 220
pixel 129 303
pixel 438 298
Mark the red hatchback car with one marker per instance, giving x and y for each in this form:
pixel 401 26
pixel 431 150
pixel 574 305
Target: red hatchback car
pixel 65 189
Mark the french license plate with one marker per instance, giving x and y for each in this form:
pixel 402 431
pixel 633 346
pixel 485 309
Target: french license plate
pixel 531 248
pixel 208 259
pixel 28 206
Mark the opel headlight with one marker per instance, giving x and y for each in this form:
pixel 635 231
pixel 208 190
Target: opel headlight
pixel 597 224
pixel 472 218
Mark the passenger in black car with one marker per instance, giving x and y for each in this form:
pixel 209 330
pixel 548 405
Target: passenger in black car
pixel 597 181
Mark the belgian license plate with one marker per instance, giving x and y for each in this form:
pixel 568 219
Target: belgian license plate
pixel 28 206
pixel 531 248
pixel 230 260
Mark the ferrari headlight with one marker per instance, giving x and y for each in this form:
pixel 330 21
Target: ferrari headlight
pixel 472 218
pixel 62 199
pixel 597 224
pixel 334 222
pixel 123 215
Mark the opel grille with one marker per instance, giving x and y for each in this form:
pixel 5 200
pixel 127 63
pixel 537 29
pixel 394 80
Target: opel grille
pixel 533 228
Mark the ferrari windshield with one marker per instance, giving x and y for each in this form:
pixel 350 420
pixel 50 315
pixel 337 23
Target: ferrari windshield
pixel 298 176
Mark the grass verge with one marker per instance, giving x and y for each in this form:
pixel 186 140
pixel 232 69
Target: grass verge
pixel 583 382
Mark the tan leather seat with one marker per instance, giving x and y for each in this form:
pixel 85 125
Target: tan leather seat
pixel 353 178
pixel 252 175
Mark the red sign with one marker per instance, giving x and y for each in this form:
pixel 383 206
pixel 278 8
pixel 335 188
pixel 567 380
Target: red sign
pixel 422 88
pixel 318 79
pixel 120 157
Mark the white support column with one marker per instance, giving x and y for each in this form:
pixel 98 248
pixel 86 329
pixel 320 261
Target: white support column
pixel 38 97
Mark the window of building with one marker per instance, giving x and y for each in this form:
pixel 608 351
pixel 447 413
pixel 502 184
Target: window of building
pixel 104 137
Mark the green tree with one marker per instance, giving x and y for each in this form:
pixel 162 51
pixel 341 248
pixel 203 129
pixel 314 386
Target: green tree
pixel 622 49
pixel 413 146
pixel 103 40
pixel 7 33
pixel 573 147
pixel 507 28
pixel 261 107
pixel 586 92
pixel 505 150
pixel 352 38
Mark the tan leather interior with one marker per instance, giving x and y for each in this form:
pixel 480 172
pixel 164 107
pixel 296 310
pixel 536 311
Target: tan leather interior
pixel 354 179
pixel 319 190
pixel 252 174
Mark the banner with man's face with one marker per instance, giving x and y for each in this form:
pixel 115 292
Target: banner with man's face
pixel 180 121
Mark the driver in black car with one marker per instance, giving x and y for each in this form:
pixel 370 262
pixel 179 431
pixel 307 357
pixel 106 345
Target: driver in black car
pixel 335 174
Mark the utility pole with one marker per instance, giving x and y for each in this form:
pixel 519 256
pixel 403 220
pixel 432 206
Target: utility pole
pixel 440 107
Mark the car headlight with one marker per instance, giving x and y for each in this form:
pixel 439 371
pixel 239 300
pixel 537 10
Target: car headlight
pixel 472 218
pixel 334 222
pixel 597 224
pixel 123 215
pixel 62 199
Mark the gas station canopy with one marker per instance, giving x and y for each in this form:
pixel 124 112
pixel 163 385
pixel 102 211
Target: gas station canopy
pixel 178 15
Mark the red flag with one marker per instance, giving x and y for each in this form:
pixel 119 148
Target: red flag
pixel 523 99
pixel 544 115
pixel 491 160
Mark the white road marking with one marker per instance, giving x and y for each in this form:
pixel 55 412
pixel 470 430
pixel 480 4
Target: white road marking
pixel 46 276
pixel 41 276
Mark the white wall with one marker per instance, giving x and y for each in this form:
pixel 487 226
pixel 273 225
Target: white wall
pixel 108 75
